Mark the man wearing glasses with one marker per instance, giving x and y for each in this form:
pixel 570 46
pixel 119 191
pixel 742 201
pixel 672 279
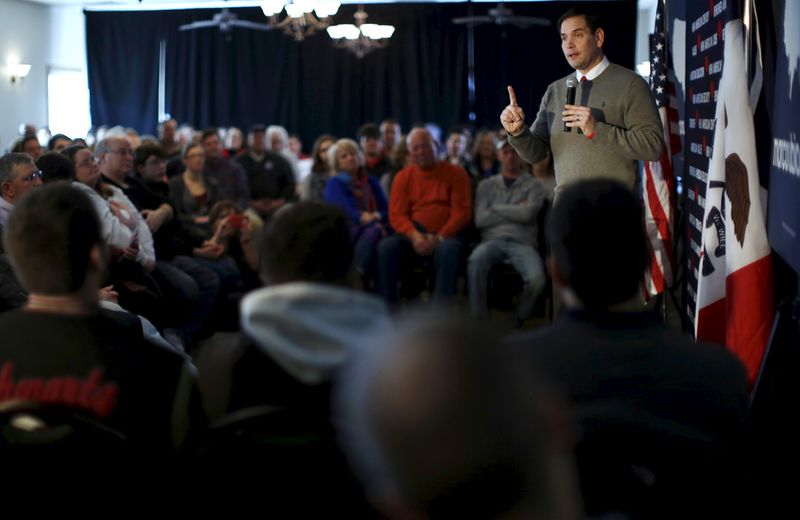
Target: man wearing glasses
pixel 18 175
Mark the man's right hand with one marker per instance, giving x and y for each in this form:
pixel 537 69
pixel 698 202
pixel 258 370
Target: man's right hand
pixel 422 243
pixel 513 117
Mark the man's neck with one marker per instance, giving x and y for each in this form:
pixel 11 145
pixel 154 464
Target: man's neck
pixel 511 174
pixel 429 168
pixel 595 63
pixel 257 155
pixel 117 177
pixel 69 304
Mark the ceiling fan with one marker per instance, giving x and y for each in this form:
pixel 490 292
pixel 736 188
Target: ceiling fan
pixel 502 15
pixel 226 21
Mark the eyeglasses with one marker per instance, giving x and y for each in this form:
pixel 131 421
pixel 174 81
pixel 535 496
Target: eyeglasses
pixel 122 151
pixel 195 156
pixel 92 160
pixel 154 161
pixel 32 177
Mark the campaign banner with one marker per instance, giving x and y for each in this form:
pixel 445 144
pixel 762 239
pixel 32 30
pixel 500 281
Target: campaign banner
pixel 705 24
pixel 783 216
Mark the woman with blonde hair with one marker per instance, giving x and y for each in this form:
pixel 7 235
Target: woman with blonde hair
pixel 363 201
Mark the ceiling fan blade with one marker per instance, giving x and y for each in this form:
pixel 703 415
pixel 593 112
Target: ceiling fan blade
pixel 246 24
pixel 531 20
pixel 197 25
pixel 474 20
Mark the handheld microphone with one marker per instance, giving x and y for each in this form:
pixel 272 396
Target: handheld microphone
pixel 572 84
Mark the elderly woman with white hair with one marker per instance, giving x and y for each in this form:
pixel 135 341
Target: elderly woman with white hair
pixel 363 201
pixel 278 142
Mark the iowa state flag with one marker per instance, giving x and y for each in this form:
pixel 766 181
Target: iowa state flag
pixel 734 294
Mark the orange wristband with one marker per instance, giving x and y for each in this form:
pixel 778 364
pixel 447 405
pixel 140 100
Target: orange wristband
pixel 589 136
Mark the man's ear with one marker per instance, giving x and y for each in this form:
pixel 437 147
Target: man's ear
pixel 5 188
pixel 600 37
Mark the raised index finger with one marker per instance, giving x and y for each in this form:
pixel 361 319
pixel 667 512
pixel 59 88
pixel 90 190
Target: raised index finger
pixel 512 97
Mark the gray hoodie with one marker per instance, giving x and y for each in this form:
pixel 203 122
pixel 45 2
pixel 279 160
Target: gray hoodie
pixel 310 330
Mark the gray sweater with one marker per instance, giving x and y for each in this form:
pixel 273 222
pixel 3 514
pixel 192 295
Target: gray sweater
pixel 509 212
pixel 628 129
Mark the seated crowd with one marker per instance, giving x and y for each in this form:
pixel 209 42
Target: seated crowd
pixel 205 301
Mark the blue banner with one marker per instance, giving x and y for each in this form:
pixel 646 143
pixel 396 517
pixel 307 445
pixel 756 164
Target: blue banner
pixel 784 182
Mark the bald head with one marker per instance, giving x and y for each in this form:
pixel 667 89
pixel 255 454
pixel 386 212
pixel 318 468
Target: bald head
pixel 115 157
pixel 420 148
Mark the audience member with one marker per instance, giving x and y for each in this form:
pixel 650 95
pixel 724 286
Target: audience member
pixel 362 199
pixel 461 427
pixel 269 174
pixel 390 136
pixel 18 176
pixel 430 204
pixel 369 138
pixel 662 418
pixel 313 186
pixel 228 174
pixel 168 139
pixel 506 210
pixel 456 149
pixel 300 330
pixel 60 349
pixel 484 158
pixel 58 142
pixel 55 167
pixel 28 144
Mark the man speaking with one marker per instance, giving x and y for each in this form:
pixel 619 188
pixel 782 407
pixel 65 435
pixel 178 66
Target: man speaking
pixel 612 123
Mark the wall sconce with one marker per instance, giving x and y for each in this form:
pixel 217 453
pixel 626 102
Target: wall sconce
pixel 18 71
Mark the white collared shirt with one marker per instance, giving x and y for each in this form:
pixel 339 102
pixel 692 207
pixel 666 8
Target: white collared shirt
pixel 595 71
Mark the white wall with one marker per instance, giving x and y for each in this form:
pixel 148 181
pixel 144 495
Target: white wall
pixel 44 37
pixel 24 37
pixel 67 37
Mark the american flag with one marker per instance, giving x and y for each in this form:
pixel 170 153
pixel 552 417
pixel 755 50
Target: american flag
pixel 658 186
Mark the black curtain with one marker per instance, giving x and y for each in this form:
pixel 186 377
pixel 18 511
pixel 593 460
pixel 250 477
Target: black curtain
pixel 122 63
pixel 312 87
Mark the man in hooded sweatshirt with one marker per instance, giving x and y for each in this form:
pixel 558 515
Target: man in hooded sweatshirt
pixel 298 332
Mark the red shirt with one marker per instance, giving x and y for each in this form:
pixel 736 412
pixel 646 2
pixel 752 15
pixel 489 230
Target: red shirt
pixel 440 200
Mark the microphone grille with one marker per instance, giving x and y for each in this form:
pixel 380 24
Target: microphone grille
pixel 572 82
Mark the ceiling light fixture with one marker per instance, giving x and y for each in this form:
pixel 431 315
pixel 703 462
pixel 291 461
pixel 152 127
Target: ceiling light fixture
pixel 361 38
pixel 303 17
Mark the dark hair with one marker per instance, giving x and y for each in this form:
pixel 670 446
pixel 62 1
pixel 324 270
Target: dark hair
pixel 70 151
pixel 593 21
pixel 49 238
pixel 307 241
pixel 208 132
pixel 597 240
pixel 55 167
pixel 369 130
pixel 51 144
pixel 257 129
pixel 144 152
pixel 318 164
pixel 19 146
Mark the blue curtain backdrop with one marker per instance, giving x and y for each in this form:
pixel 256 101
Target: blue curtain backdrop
pixel 311 87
